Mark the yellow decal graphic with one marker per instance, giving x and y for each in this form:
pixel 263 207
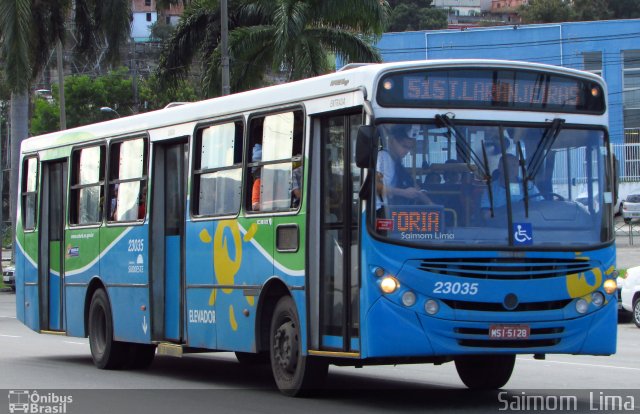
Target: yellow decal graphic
pixel 205 237
pixel 224 266
pixel 578 283
pixel 232 319
pixel 227 259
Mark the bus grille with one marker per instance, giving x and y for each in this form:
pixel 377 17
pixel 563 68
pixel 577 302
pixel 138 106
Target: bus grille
pixel 505 268
pixel 551 337
pixel 499 307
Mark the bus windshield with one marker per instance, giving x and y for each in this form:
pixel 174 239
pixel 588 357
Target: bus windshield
pixel 468 183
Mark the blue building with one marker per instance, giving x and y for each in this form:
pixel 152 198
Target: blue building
pixel 609 48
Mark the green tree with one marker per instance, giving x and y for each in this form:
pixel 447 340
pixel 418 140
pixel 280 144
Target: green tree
pixel 29 31
pixel 295 37
pixel 546 11
pixel 46 117
pixel 155 96
pixel 407 15
pixel 625 9
pixel 586 10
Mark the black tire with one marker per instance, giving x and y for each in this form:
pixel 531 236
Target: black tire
pixel 249 358
pixel 140 355
pixel 295 375
pixel 624 316
pixel 636 312
pixel 485 372
pixel 106 353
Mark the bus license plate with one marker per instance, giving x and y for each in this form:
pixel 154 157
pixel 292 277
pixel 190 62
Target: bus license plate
pixel 509 332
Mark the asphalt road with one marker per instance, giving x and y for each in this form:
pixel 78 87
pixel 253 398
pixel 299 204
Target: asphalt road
pixel 59 367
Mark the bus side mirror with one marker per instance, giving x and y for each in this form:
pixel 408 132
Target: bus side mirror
pixel 366 145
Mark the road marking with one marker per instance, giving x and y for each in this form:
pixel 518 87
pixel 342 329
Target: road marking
pixel 74 343
pixel 10 317
pixel 582 364
pixel 10 336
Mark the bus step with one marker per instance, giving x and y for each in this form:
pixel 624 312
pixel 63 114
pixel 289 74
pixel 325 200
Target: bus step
pixel 169 349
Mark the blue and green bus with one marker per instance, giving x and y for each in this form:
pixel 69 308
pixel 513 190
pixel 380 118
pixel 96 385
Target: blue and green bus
pixel 418 212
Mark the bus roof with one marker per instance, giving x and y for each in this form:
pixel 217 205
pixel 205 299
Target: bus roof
pixel 361 77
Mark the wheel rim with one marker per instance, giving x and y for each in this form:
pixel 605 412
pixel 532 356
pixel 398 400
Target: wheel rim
pixel 285 347
pixel 636 312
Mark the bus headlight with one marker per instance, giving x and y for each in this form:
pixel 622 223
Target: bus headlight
pixel 389 284
pixel 431 307
pixel 408 298
pixel 610 286
pixel 582 306
pixel 597 298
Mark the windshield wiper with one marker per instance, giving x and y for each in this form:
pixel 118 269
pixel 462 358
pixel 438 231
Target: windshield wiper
pixel 462 146
pixel 468 154
pixel 547 140
pixel 525 181
pixel 488 180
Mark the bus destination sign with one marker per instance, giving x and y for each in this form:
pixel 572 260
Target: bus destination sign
pixel 491 89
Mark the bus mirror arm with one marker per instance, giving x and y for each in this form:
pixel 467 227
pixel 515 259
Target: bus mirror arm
pixel 365 188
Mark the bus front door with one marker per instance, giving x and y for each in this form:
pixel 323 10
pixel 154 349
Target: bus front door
pixel 334 282
pixel 51 252
pixel 167 238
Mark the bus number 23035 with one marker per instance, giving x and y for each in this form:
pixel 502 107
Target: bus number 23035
pixel 456 288
pixel 136 245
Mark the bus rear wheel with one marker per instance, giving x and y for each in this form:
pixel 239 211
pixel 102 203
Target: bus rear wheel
pixel 485 372
pixel 295 375
pixel 106 353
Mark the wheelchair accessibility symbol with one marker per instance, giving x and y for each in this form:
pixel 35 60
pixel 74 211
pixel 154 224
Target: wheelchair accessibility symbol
pixel 522 234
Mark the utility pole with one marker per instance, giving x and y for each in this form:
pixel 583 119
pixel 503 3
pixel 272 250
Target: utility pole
pixel 224 43
pixel 63 113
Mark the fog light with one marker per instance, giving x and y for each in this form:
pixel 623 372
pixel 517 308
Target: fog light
pixel 408 298
pixel 378 271
pixel 582 306
pixel 389 284
pixel 597 298
pixel 431 307
pixel 610 286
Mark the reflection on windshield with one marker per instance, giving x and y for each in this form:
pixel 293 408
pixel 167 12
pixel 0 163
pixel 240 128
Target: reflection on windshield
pixel 492 184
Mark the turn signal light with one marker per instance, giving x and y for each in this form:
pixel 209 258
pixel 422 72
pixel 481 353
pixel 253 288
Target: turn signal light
pixel 610 286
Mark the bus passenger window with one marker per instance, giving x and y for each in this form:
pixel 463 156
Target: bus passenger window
pixel 87 185
pixel 275 167
pixel 29 192
pixel 218 170
pixel 127 180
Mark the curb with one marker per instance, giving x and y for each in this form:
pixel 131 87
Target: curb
pixel 6 289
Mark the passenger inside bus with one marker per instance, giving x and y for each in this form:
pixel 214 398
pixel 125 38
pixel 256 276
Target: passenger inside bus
pixel 394 184
pixel 498 190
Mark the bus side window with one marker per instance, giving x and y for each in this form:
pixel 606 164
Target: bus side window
pixel 218 170
pixel 127 180
pixel 87 185
pixel 275 169
pixel 29 192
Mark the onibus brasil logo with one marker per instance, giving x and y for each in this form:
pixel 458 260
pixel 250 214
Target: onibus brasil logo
pixel 25 401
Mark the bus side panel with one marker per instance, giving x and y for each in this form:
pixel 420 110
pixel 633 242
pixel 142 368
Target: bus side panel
pixel 130 321
pixel 241 256
pixel 200 307
pixel 124 266
pixel 19 275
pixel 82 263
pixel 28 256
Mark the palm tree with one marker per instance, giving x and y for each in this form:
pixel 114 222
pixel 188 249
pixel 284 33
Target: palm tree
pixel 30 29
pixel 296 37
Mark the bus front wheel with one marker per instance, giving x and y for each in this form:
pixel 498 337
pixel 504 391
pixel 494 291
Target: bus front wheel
pixel 295 375
pixel 485 372
pixel 106 353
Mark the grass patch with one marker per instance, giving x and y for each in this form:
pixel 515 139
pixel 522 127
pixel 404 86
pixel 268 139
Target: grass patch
pixel 622 273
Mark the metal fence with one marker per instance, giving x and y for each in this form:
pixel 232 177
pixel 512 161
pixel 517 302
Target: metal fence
pixel 628 156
